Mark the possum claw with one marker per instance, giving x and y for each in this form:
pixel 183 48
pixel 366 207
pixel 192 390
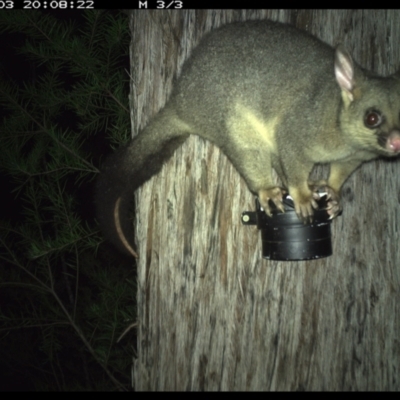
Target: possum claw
pixel 334 207
pixel 275 194
pixel 304 204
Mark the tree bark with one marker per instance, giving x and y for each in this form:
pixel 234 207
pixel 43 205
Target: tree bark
pixel 212 314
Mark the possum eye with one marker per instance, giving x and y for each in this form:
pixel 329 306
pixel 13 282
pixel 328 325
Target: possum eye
pixel 373 119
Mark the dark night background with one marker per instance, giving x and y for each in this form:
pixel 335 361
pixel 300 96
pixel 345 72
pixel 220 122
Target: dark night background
pixel 19 69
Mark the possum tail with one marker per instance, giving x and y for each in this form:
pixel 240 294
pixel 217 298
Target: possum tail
pixel 128 168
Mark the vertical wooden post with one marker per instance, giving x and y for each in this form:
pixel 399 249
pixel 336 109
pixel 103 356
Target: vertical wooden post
pixel 212 314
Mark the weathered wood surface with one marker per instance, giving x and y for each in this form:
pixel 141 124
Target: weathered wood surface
pixel 212 314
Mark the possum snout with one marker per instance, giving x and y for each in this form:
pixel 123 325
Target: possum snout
pixel 393 141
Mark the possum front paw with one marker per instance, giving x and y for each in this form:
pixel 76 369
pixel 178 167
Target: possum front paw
pixel 275 194
pixel 334 207
pixel 304 203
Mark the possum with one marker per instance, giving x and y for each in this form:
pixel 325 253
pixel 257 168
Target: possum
pixel 269 96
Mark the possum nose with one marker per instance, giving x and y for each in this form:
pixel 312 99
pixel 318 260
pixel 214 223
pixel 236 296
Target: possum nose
pixel 393 142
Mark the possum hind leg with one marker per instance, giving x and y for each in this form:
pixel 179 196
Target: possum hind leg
pixel 255 166
pixel 251 149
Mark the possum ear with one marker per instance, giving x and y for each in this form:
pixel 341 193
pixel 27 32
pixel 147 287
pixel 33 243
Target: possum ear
pixel 344 72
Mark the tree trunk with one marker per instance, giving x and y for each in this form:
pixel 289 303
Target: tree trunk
pixel 212 314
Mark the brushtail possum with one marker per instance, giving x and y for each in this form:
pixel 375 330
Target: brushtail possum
pixel 270 96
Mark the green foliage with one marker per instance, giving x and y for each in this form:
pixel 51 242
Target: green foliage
pixel 63 305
